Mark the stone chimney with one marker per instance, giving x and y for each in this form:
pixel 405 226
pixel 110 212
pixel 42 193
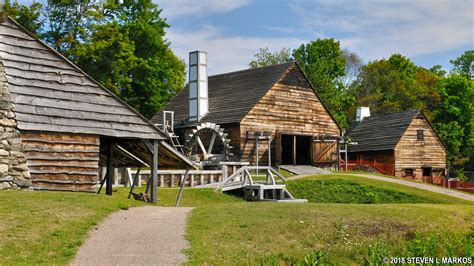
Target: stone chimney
pixel 13 169
pixel 362 112
pixel 198 95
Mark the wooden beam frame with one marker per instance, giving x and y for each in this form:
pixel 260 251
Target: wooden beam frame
pixel 110 169
pixel 154 170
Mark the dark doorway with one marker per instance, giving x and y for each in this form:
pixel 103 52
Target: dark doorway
pixel 295 149
pixel 287 149
pixel 427 171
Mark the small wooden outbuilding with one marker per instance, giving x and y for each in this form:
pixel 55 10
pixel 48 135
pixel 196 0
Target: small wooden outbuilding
pixel 405 142
pixel 276 101
pixel 64 123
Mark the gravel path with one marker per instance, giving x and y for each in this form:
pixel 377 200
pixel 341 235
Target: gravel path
pixel 139 236
pixel 432 188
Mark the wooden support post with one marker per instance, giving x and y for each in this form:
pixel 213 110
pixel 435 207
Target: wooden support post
pixel 134 182
pixel 294 150
pixel 154 171
pixel 345 155
pixel 256 152
pixel 191 181
pixel 110 169
pixel 102 182
pixel 269 152
pixel 183 182
pixel 162 180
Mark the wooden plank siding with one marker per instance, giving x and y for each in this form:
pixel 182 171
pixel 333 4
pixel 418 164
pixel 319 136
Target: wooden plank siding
pixel 62 161
pixel 289 107
pixel 413 153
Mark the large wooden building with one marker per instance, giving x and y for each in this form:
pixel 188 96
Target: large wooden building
pixel 276 101
pixel 406 142
pixel 62 123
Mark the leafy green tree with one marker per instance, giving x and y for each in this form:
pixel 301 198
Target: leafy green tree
pixel 394 85
pixel 324 65
pixel 70 22
pixel 129 55
pixel 27 16
pixel 438 71
pixel 266 58
pixel 454 121
pixel 464 64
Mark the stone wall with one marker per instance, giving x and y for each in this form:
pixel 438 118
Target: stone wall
pixel 14 172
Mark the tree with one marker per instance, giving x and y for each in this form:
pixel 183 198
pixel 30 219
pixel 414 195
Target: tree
pixel 454 121
pixel 394 85
pixel 324 65
pixel 352 69
pixel 438 71
pixel 27 16
pixel 129 55
pixel 464 64
pixel 70 22
pixel 121 44
pixel 266 58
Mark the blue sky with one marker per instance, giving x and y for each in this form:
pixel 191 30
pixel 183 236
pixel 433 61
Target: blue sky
pixel 231 31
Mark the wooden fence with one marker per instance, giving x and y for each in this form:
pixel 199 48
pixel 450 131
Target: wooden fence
pixel 383 168
pixel 172 178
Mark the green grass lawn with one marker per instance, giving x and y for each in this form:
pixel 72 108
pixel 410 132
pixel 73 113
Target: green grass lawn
pixel 342 234
pixel 48 227
pixel 339 188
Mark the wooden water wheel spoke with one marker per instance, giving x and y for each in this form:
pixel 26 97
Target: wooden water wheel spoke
pixel 201 145
pixel 211 144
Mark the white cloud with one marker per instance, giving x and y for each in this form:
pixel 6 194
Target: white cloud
pixel 225 53
pixel 377 29
pixel 179 8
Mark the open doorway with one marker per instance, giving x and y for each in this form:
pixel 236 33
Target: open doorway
pixel 427 171
pixel 295 150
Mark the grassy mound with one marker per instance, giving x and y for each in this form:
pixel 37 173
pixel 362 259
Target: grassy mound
pixel 344 191
pixel 355 189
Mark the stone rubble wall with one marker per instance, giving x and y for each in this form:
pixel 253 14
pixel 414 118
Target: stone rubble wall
pixel 14 172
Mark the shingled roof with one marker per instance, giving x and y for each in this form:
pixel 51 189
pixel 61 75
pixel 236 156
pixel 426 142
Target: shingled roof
pixel 231 95
pixel 380 132
pixel 52 94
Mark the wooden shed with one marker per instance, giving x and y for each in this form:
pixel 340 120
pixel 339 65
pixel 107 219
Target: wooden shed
pixel 68 124
pixel 405 142
pixel 276 101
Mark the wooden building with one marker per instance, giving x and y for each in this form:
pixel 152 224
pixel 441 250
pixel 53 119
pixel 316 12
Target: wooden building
pixel 405 142
pixel 276 101
pixel 68 124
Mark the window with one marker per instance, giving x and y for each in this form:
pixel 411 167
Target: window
pixel 408 172
pixel 419 135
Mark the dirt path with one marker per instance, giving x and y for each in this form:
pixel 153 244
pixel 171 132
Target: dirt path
pixel 432 188
pixel 140 236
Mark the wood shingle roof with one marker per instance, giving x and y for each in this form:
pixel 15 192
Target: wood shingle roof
pixel 380 132
pixel 52 94
pixel 231 95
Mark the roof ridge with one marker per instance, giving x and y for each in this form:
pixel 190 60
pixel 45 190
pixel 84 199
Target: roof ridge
pixel 252 69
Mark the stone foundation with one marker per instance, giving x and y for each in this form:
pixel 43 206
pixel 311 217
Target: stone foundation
pixel 14 172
